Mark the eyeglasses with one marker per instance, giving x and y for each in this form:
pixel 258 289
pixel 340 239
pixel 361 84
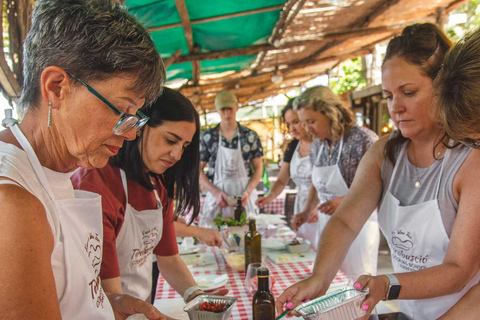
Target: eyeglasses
pixel 472 143
pixel 127 121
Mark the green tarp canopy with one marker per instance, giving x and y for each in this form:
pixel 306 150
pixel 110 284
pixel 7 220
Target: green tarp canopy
pixel 222 34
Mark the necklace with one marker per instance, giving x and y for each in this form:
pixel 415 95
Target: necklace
pixel 418 182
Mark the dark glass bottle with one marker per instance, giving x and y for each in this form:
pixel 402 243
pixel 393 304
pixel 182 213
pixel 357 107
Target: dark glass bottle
pixel 263 300
pixel 239 209
pixel 253 245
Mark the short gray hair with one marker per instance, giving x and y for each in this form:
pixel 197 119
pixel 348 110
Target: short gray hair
pixel 92 39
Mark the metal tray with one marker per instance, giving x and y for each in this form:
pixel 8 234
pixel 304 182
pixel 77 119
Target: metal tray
pixel 194 313
pixel 342 304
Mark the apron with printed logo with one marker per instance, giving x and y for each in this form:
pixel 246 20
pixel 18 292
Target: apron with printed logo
pixel 82 234
pixel 140 233
pixel 417 239
pixel 363 253
pixel 301 174
pixel 230 177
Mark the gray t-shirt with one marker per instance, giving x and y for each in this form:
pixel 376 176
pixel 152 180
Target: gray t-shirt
pixel 403 186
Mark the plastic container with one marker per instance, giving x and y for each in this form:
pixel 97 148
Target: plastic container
pixel 235 258
pixel 194 313
pixel 303 247
pixel 342 304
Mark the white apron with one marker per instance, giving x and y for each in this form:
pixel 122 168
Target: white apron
pixel 301 174
pixel 418 240
pixel 363 253
pixel 140 233
pixel 231 177
pixel 82 235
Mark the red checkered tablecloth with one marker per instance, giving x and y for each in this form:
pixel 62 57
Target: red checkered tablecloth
pixel 285 274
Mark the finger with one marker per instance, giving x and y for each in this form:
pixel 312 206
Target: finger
pixel 220 292
pixel 361 282
pixel 147 309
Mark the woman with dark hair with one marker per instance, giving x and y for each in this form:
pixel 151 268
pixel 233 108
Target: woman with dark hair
pixel 426 190
pixel 138 188
pixel 81 96
pixel 296 165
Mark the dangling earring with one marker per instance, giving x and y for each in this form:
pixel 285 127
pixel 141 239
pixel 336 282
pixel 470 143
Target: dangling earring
pixel 49 119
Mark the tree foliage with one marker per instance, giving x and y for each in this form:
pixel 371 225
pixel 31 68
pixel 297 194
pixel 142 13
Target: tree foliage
pixel 349 78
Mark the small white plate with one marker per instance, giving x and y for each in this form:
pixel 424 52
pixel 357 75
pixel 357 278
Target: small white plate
pixel 188 250
pixel 207 281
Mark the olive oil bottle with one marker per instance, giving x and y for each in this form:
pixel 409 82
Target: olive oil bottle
pixel 239 209
pixel 253 245
pixel 263 300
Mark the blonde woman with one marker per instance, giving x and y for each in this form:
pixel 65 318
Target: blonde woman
pixel 335 154
pixel 458 101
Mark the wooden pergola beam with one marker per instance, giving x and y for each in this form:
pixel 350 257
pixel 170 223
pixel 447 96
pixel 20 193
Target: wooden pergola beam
pixel 185 22
pixel 254 49
pixel 221 17
pixel 172 59
pixel 280 27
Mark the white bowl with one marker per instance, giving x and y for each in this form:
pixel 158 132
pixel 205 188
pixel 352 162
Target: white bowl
pixel 304 246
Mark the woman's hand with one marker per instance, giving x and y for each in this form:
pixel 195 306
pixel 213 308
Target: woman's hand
pixel 245 196
pixel 294 295
pixel 329 207
pixel 262 201
pixel 124 306
pixel 377 286
pixel 221 198
pixel 298 220
pixel 210 237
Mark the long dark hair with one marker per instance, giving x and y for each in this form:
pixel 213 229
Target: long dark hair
pixel 181 180
pixel 425 46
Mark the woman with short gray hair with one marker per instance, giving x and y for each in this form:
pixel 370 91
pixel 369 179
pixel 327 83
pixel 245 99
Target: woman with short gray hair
pixel 88 68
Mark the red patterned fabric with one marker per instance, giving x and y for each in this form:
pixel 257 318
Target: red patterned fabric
pixel 285 274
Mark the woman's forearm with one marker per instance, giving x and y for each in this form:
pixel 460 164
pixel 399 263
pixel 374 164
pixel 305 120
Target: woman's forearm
pixel 176 273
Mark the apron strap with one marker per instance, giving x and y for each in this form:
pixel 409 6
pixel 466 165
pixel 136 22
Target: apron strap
pixel 124 183
pixel 323 147
pixel 32 157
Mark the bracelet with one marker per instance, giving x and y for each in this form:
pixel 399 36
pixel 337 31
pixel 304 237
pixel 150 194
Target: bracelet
pixel 189 292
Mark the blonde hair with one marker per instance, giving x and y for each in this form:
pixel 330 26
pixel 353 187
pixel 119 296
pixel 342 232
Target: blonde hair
pixel 457 89
pixel 323 100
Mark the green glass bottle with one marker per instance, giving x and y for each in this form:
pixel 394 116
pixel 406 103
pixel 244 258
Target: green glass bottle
pixel 263 302
pixel 253 245
pixel 238 210
pixel 266 181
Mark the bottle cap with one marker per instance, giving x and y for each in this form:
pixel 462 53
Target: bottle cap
pixel 262 272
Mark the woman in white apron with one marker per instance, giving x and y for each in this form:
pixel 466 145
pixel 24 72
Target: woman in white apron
pixel 296 165
pixel 427 196
pixel 339 140
pixel 52 239
pixel 138 187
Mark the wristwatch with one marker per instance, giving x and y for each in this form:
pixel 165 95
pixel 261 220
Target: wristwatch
pixel 393 288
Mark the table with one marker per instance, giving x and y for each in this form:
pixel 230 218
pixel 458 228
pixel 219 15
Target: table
pixel 277 206
pixel 285 275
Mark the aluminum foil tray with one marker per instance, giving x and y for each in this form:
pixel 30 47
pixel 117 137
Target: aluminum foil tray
pixel 194 313
pixel 342 304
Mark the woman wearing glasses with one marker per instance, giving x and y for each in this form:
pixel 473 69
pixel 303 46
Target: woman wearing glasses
pixel 426 190
pixel 458 110
pixel 52 236
pixel 138 188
